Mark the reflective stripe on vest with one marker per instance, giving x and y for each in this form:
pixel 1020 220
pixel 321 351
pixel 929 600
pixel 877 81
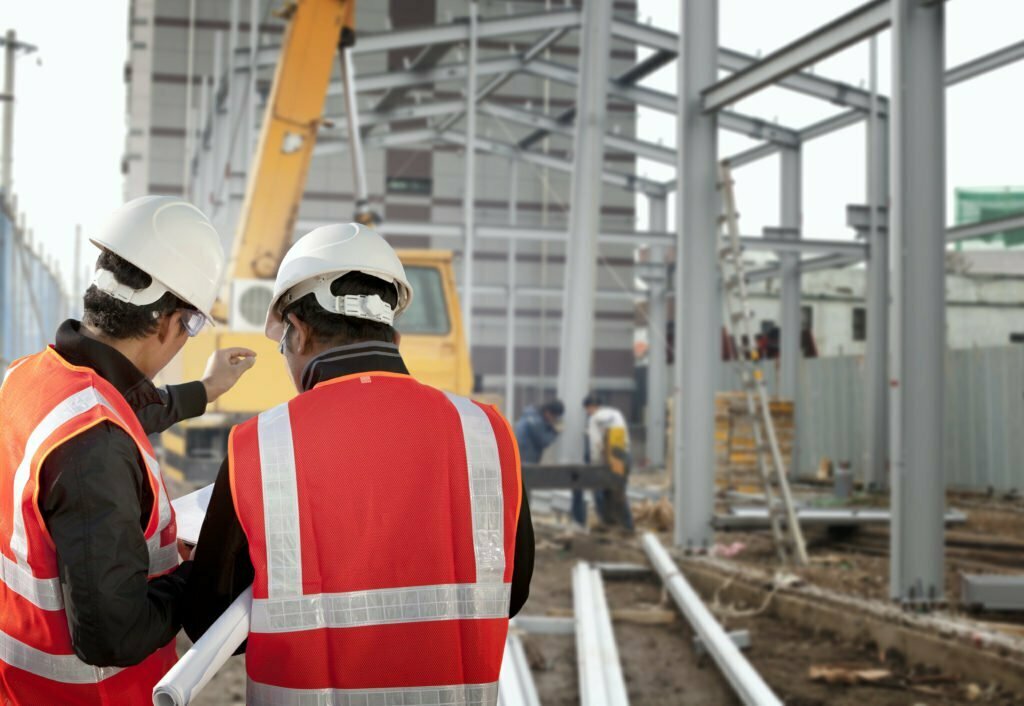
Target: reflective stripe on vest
pixel 460 695
pixel 67 669
pixel 286 609
pixel 42 593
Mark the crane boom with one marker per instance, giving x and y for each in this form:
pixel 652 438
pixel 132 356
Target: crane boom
pixel 277 178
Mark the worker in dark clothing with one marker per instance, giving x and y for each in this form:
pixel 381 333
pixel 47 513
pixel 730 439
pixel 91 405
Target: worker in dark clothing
pixel 415 501
pixel 90 577
pixel 537 429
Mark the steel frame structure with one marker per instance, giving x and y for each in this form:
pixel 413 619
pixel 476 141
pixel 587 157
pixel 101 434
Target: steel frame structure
pixel 702 102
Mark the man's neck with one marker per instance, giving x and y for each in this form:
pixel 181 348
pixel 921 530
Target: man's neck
pixel 130 348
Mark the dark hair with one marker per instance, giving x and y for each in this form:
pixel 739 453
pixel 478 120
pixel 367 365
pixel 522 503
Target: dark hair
pixel 592 400
pixel 338 329
pixel 554 408
pixel 118 319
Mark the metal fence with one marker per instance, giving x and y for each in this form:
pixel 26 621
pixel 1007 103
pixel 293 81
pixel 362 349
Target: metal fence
pixel 984 427
pixel 32 298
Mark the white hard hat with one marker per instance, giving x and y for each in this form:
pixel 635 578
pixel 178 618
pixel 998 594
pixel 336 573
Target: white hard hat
pixel 326 253
pixel 170 240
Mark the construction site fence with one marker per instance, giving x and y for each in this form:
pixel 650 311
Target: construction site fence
pixel 984 403
pixel 33 300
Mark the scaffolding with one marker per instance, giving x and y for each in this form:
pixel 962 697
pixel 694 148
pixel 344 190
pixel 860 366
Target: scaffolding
pixel 905 207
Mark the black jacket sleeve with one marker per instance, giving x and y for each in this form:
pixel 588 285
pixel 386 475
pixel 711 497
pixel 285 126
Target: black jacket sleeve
pixel 222 567
pixel 179 402
pixel 90 501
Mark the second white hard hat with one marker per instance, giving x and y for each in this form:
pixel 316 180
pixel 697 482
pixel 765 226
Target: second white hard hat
pixel 326 253
pixel 170 240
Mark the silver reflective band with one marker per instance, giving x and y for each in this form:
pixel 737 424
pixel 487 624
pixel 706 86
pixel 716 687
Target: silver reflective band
pixel 66 669
pixel 459 695
pixel 485 496
pixel 380 607
pixel 161 559
pixel 280 503
pixel 42 593
pixel 106 282
pixel 66 410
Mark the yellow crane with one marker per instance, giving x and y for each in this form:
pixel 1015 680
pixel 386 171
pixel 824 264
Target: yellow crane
pixel 433 341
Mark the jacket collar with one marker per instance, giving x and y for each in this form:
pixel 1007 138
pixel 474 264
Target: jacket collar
pixel 78 349
pixel 369 356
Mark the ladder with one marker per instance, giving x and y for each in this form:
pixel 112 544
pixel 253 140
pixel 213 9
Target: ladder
pixel 789 540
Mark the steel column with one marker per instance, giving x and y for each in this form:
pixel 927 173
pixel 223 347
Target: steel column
pixel 7 179
pixel 469 192
pixel 917 327
pixel 251 106
pixel 657 332
pixel 698 314
pixel 360 189
pixel 510 304
pixel 876 370
pixel 790 216
pixel 577 340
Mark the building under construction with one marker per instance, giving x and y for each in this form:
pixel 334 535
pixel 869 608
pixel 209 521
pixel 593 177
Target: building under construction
pixel 826 471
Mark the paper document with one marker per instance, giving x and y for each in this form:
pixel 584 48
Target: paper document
pixel 190 511
pixel 197 666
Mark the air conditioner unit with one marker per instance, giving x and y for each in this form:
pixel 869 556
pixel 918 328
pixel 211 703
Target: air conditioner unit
pixel 249 301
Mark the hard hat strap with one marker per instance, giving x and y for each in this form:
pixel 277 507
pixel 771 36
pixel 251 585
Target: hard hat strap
pixel 106 282
pixel 361 306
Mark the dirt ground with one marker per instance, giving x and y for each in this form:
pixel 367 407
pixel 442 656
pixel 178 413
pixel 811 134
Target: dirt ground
pixel 659 662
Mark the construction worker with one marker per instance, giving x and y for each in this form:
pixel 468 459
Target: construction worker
pixel 90 584
pixel 607 442
pixel 537 429
pixel 381 522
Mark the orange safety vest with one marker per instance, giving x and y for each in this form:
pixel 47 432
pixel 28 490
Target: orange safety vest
pixel 381 517
pixel 44 401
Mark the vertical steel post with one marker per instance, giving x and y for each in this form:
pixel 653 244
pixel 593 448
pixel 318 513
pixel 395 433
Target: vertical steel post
pixel 657 331
pixel 698 319
pixel 790 218
pixel 361 189
pixel 918 311
pixel 232 102
pixel 199 163
pixel 186 177
pixel 10 50
pixel 510 305
pixel 876 369
pixel 254 40
pixel 469 192
pixel 576 352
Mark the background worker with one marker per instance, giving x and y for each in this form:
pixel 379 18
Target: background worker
pixel 381 522
pixel 89 574
pixel 537 429
pixel 607 442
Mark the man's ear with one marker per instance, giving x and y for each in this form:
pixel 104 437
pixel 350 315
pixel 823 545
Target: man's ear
pixel 302 338
pixel 166 325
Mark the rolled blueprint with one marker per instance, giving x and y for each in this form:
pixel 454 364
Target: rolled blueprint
pixel 195 669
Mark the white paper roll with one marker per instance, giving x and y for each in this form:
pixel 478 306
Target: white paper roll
pixel 197 666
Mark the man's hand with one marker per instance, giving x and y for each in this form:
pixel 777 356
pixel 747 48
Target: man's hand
pixel 224 368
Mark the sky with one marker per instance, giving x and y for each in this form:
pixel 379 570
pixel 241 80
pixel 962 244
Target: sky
pixel 70 124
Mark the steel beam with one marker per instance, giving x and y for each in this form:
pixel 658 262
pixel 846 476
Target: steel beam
pixel 648 150
pixel 510 310
pixel 819 44
pixel 984 64
pixel 917 328
pixel 876 368
pixel 427 59
pixel 657 332
pixel 515 680
pixel 739 518
pixel 977 230
pixel 698 312
pixel 625 181
pixel 384 140
pixel 469 185
pixel 992 592
pixel 576 350
pixel 539 47
pixel 749 686
pixel 600 672
pixel 406 112
pixel 665 43
pixel 790 350
pixel 390 80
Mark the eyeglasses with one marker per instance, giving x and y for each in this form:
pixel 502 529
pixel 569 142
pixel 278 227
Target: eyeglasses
pixel 284 339
pixel 192 321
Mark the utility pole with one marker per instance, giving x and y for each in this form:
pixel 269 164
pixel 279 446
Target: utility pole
pixel 11 46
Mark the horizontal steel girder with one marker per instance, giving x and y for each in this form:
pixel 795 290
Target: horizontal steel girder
pixel 815 46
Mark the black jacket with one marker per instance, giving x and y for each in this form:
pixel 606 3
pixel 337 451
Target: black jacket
pixel 222 568
pixel 95 498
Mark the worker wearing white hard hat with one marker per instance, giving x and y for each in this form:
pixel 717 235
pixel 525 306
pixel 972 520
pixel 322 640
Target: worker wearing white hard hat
pixel 96 586
pixel 370 501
